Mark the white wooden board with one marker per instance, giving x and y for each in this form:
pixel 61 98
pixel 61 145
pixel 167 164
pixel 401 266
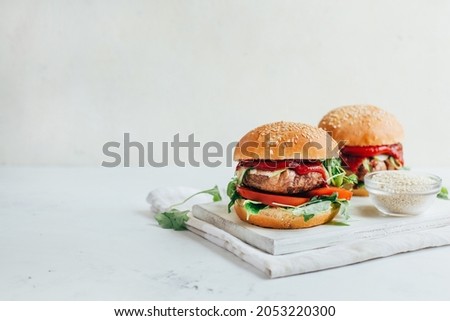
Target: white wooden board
pixel 365 223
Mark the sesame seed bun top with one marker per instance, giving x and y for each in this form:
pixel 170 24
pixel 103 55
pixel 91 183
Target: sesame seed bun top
pixel 362 125
pixel 286 140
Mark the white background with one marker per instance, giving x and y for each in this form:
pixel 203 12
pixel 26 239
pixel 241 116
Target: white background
pixel 76 74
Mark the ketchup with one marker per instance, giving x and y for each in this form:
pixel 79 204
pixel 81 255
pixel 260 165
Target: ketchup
pixel 301 167
pixel 354 155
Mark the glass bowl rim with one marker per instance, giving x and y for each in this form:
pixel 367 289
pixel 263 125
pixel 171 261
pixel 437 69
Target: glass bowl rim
pixel 375 186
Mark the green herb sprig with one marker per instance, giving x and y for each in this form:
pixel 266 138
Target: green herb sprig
pixel 175 219
pixel 443 194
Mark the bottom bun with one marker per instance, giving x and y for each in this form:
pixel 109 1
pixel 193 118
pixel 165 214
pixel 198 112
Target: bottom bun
pixel 280 218
pixel 360 191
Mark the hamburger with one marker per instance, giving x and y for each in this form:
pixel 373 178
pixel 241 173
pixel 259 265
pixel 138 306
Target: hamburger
pixel 284 177
pixel 370 138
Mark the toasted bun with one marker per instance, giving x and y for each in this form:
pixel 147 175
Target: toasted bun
pixel 277 217
pixel 362 125
pixel 360 191
pixel 286 140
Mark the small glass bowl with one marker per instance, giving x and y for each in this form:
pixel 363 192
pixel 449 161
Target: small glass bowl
pixel 402 192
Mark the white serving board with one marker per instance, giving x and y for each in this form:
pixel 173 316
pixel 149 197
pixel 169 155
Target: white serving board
pixel 365 223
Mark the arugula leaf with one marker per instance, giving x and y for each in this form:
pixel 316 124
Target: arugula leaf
pixel 337 176
pixel 307 210
pixel 338 223
pixel 232 193
pixel 253 207
pixel 315 207
pixel 231 188
pixel 317 199
pixel 317 203
pixel 173 219
pixel 443 194
pixel 307 217
pixel 214 192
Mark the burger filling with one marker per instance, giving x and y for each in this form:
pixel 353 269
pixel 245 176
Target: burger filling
pixel 365 159
pixel 282 177
pixel 296 185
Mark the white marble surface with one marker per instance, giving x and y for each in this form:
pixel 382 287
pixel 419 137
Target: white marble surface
pixel 86 234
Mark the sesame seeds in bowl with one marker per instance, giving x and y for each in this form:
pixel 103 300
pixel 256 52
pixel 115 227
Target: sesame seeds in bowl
pixel 402 193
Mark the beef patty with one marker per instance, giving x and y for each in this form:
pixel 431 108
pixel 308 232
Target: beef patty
pixel 287 182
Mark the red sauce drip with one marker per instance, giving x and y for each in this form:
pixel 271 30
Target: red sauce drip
pixel 301 167
pixel 353 156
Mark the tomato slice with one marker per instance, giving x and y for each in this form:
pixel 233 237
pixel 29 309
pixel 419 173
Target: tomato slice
pixel 270 199
pixel 342 193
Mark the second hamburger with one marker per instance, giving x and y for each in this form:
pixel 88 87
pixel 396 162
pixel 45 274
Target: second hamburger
pixel 370 138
